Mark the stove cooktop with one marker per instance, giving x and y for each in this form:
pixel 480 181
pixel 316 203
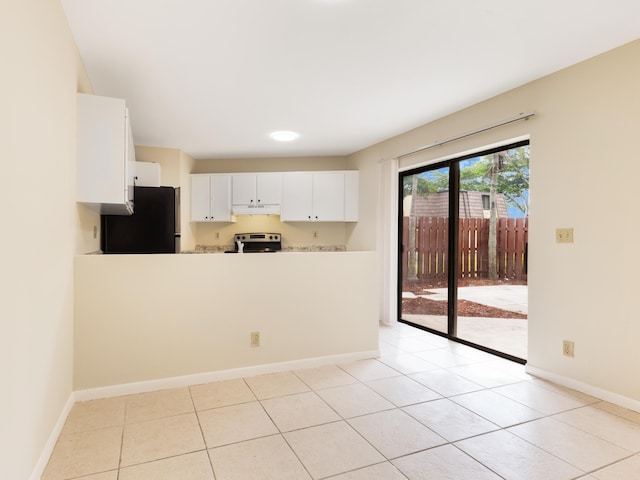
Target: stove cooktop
pixel 258 242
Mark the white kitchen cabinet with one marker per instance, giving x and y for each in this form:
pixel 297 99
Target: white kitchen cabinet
pixel 328 197
pixel 256 193
pixel 210 198
pixel 297 197
pixel 257 188
pixel 147 174
pixel 320 196
pixel 105 155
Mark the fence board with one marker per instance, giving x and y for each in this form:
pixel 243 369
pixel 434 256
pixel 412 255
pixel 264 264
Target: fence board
pixel 473 247
pixel 443 229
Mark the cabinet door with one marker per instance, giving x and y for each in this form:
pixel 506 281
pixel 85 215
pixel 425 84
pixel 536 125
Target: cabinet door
pixel 244 189
pixel 220 195
pixel 104 146
pixel 200 200
pixel 328 196
pixel 269 188
pixel 297 197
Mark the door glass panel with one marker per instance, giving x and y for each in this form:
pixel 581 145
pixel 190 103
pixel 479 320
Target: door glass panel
pixel 492 251
pixel 425 223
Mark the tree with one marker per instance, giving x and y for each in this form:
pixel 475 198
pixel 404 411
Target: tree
pixel 512 180
pixel 505 172
pixel 494 171
pixel 427 183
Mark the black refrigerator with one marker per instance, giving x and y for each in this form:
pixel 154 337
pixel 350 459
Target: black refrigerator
pixel 154 226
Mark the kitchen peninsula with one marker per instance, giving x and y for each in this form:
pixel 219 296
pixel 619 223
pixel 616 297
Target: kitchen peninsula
pixel 141 320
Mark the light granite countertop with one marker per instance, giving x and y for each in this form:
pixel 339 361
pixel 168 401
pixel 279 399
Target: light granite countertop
pixel 304 248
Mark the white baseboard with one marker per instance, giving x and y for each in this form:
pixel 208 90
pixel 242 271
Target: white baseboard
pixel 37 472
pixel 199 378
pixel 597 392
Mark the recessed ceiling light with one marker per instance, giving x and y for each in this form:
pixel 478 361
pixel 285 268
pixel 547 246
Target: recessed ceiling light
pixel 284 136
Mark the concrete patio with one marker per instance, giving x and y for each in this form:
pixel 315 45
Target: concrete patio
pixel 506 335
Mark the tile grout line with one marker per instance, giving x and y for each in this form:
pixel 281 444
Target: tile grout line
pixel 343 420
pixel 124 426
pixel 204 440
pixel 280 432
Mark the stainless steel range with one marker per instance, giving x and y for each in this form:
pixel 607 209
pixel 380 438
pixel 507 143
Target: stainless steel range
pixel 257 242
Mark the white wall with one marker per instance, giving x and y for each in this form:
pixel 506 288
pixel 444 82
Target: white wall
pixel 584 171
pixel 42 227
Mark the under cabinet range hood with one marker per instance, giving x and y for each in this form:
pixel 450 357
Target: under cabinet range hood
pixel 255 209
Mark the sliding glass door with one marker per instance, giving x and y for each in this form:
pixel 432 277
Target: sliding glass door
pixel 463 249
pixel 425 239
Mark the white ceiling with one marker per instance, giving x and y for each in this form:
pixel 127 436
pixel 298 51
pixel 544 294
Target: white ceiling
pixel 215 77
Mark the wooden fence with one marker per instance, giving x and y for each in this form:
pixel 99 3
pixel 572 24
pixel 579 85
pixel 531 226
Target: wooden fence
pixel 432 234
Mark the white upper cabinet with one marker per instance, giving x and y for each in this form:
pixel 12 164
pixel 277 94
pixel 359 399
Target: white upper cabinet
pixel 328 197
pixel 200 198
pixel 105 155
pixel 297 197
pixel 210 198
pixel 244 189
pixel 320 197
pixel 256 193
pixel 147 174
pixel 269 188
pixel 257 188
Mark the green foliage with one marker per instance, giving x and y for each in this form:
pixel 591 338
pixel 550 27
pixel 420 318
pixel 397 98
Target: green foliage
pixel 431 182
pixel 513 178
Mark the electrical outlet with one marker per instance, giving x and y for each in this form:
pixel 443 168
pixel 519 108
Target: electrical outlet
pixel 217 235
pixel 95 231
pixel 255 339
pixel 567 348
pixel 315 234
pixel 564 235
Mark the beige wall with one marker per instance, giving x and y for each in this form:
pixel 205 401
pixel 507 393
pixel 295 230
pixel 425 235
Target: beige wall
pixel 584 173
pixel 169 160
pixel 147 317
pixel 42 227
pixel 276 164
pixel 293 234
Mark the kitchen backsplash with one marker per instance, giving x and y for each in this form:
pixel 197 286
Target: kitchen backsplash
pixel 291 248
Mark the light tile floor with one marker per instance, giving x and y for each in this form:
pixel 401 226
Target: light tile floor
pixel 426 409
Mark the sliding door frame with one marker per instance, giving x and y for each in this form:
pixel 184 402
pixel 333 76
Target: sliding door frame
pixel 452 245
